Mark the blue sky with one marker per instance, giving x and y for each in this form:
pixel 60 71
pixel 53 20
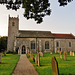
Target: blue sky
pixel 61 20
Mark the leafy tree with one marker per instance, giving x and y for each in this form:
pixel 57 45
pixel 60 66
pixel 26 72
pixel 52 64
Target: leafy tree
pixel 34 9
pixel 3 44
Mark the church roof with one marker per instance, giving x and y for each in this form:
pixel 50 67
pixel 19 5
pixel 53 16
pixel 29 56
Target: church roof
pixel 64 36
pixel 35 34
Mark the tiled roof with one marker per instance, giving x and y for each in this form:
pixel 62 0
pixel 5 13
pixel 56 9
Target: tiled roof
pixel 64 36
pixel 35 34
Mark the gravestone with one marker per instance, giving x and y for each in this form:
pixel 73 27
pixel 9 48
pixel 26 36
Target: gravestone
pixel 73 53
pixel 33 59
pixel 54 66
pixel 60 56
pixel 38 59
pixel 65 55
pixel 31 55
pixel 0 57
pixel 50 52
pixel 41 54
pixel 70 53
pixel 60 52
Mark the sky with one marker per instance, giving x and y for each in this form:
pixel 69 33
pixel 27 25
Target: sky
pixel 61 20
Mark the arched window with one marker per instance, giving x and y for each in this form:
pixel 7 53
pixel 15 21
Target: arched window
pixel 69 44
pixel 57 44
pixel 47 45
pixel 32 45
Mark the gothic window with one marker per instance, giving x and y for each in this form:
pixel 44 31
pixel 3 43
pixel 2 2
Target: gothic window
pixel 13 23
pixel 69 44
pixel 32 45
pixel 47 45
pixel 57 44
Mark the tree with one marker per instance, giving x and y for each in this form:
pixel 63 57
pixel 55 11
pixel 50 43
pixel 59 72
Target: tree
pixel 34 9
pixel 3 44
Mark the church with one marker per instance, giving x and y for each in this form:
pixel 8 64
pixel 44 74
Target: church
pixel 42 41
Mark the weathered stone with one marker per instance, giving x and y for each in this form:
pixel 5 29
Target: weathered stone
pixel 60 52
pixel 65 55
pixel 33 59
pixel 50 52
pixel 38 59
pixel 41 54
pixel 73 53
pixel 0 57
pixel 60 56
pixel 54 66
pixel 31 55
pixel 4 53
pixel 70 53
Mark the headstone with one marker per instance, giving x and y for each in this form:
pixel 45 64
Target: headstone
pixel 54 66
pixel 0 57
pixel 31 56
pixel 41 54
pixel 50 52
pixel 60 56
pixel 38 59
pixel 33 59
pixel 18 51
pixel 65 55
pixel 60 52
pixel 70 53
pixel 5 53
pixel 73 53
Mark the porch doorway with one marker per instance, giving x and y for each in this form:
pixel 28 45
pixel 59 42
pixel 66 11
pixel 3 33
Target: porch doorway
pixel 23 49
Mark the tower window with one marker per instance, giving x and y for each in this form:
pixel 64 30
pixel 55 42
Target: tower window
pixel 13 24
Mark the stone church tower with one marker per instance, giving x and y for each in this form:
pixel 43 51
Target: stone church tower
pixel 13 28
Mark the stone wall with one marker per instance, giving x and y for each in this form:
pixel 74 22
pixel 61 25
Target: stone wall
pixel 39 44
pixel 64 44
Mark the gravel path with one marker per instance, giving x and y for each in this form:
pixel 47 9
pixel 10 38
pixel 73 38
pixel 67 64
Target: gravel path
pixel 24 67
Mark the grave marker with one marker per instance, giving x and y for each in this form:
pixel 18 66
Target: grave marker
pixel 41 54
pixel 60 52
pixel 54 66
pixel 60 56
pixel 70 53
pixel 38 59
pixel 0 57
pixel 73 53
pixel 31 55
pixel 50 52
pixel 65 55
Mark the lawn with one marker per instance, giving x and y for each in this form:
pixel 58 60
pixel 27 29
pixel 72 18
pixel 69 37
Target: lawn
pixel 8 64
pixel 65 67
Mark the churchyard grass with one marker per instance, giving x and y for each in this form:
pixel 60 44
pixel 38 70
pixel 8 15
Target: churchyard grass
pixel 8 64
pixel 65 67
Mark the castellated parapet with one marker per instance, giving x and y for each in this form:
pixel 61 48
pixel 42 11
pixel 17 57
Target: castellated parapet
pixel 13 27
